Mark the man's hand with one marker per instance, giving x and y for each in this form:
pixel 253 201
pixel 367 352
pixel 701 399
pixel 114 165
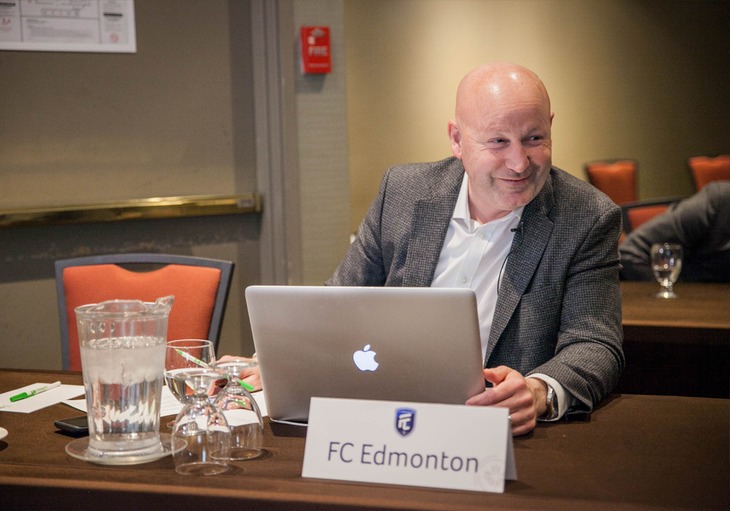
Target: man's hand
pixel 524 397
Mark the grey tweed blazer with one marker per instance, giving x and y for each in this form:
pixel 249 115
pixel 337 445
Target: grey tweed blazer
pixel 559 306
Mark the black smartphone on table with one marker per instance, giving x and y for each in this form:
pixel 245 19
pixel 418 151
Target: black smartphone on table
pixel 77 426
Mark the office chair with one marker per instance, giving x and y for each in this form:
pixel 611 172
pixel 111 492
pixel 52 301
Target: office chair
pixel 636 213
pixel 200 287
pixel 705 169
pixel 615 178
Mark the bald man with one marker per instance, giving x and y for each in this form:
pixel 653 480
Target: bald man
pixel 538 246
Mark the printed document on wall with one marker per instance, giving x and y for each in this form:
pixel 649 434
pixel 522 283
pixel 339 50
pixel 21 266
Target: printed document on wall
pixel 68 25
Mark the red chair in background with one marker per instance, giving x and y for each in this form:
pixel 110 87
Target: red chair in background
pixel 636 213
pixel 615 178
pixel 200 287
pixel 705 169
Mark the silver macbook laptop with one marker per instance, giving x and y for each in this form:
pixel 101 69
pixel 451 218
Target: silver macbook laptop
pixel 386 343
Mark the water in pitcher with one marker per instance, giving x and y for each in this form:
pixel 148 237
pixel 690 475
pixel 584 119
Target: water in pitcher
pixel 123 384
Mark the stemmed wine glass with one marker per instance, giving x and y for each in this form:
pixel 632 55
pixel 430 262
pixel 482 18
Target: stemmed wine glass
pixel 181 356
pixel 203 429
pixel 666 263
pixel 241 411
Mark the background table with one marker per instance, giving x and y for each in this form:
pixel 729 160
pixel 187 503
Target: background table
pixel 635 453
pixel 679 346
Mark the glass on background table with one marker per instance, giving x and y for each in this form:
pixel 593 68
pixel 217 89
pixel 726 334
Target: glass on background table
pixel 666 263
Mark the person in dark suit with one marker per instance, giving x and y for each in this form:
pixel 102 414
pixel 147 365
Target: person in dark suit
pixel 538 246
pixel 700 223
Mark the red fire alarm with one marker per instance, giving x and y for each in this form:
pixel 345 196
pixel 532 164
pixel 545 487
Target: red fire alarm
pixel 316 50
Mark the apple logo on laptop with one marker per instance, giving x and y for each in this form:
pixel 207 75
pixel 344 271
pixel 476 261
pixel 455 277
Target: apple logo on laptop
pixel 365 359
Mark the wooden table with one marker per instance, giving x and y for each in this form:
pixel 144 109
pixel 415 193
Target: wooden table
pixel 634 453
pixel 679 346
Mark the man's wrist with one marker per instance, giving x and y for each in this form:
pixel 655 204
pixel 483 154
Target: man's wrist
pixel 539 394
pixel 561 399
pixel 551 404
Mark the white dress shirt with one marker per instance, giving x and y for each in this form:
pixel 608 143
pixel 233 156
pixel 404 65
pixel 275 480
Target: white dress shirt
pixel 474 256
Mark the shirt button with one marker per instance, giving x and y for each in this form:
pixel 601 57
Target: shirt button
pixel 464 280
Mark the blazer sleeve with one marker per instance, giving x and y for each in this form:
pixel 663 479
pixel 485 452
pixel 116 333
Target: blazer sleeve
pixel 399 240
pixel 363 263
pixel 589 358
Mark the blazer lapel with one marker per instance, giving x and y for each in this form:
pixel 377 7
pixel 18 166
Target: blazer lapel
pixel 430 223
pixel 527 249
pixel 431 217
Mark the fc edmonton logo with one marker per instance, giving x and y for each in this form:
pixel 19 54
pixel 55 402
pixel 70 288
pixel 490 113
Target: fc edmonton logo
pixel 405 420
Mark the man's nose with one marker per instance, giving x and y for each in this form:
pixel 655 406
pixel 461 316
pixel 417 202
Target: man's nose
pixel 517 159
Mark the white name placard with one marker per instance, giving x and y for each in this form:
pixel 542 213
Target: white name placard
pixel 416 444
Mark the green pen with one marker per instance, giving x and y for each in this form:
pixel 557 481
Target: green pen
pixel 25 395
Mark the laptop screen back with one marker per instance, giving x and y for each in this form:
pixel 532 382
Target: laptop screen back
pixel 395 344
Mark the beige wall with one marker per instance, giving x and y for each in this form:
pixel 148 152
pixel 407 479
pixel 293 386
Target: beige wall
pixel 171 119
pixel 640 79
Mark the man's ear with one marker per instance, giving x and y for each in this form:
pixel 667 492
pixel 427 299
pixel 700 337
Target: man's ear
pixel 455 138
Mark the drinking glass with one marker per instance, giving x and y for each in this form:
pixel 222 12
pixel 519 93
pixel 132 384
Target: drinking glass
pixel 666 263
pixel 203 429
pixel 241 411
pixel 180 357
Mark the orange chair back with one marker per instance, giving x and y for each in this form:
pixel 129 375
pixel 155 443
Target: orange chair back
pixel 617 179
pixel 194 288
pixel 705 169
pixel 638 216
pixel 636 213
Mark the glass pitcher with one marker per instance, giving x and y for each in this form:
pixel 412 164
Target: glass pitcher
pixel 122 346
